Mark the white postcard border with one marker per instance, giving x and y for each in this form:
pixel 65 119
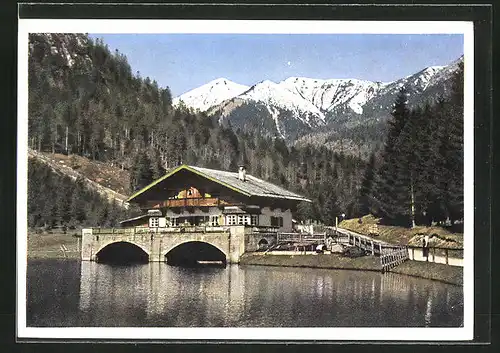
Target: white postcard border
pixel 27 26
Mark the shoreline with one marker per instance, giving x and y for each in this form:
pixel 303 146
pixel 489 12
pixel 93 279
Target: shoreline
pixel 50 247
pixel 427 270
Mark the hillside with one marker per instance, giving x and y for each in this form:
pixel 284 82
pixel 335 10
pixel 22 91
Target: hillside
pixel 103 178
pixel 123 132
pixel 85 100
pixel 59 197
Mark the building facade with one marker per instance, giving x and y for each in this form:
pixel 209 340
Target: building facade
pixel 194 196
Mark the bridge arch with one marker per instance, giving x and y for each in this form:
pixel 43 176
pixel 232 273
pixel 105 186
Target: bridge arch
pixel 263 243
pixel 122 251
pixel 188 252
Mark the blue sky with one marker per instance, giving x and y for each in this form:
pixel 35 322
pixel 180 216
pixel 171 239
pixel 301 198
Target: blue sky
pixel 186 61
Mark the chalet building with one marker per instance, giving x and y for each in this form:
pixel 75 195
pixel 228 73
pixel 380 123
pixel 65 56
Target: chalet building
pixel 194 196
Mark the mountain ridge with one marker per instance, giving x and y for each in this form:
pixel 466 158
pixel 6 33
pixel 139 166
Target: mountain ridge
pixel 297 106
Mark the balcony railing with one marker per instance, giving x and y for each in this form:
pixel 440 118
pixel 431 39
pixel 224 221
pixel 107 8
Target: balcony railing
pixel 193 202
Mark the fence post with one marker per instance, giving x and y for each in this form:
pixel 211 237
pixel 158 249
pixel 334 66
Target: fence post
pixel 446 254
pixel 373 248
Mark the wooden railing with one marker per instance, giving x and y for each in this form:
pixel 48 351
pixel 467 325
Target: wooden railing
pixel 301 237
pixel 192 202
pixel 375 247
pixel 447 256
pixel 393 258
pixel 390 255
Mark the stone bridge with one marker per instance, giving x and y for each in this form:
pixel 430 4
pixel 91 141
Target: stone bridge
pixel 231 241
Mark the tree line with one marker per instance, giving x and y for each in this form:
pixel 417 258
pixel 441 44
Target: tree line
pixel 96 107
pixel 56 200
pixel 418 177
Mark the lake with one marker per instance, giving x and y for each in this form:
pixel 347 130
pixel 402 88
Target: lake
pixel 87 294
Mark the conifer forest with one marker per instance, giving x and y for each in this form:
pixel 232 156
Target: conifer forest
pixel 95 106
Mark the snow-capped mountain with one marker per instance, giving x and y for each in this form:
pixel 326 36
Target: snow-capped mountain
pixel 278 96
pixel 299 105
pixel 328 94
pixel 210 94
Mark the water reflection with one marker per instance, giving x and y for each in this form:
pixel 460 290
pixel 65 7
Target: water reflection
pixel 156 294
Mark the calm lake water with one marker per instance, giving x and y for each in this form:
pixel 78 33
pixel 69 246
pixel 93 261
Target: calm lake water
pixel 74 293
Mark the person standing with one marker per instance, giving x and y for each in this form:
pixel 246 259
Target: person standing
pixel 425 247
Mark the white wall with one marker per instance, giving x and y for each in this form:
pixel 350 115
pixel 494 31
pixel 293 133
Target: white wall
pixel 197 212
pixel 265 218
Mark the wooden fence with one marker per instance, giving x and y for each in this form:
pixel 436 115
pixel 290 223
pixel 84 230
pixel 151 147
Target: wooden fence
pixel 447 256
pixel 390 255
pixel 393 258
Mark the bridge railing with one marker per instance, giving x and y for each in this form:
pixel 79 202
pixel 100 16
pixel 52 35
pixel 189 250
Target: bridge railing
pixel 166 230
pixel 301 237
pixel 390 255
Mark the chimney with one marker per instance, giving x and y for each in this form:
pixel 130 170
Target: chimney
pixel 242 173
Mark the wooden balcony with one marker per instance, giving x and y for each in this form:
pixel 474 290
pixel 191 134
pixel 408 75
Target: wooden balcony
pixel 194 202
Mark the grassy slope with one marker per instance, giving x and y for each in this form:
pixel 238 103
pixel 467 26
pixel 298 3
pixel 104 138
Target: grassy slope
pixel 48 246
pixel 405 236
pixel 105 174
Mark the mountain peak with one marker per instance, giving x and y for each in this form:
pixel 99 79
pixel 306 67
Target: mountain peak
pixel 211 93
pixel 221 80
pixel 298 104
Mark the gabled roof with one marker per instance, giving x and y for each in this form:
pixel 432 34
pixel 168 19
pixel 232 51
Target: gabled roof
pixel 251 187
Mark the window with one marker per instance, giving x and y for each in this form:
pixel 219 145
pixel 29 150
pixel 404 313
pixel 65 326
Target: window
pixel 243 219
pixel 214 221
pixel 154 222
pixel 231 220
pixel 172 222
pixel 276 221
pixel 254 220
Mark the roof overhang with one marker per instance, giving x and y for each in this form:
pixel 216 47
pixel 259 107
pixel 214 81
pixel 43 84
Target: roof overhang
pixel 214 180
pixel 192 170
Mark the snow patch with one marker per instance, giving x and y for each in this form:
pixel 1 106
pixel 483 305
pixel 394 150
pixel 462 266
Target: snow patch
pixel 210 94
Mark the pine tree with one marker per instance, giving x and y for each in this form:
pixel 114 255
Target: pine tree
pixel 304 212
pixel 454 153
pixel 141 174
pixel 387 200
pixel 366 190
pixel 77 203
